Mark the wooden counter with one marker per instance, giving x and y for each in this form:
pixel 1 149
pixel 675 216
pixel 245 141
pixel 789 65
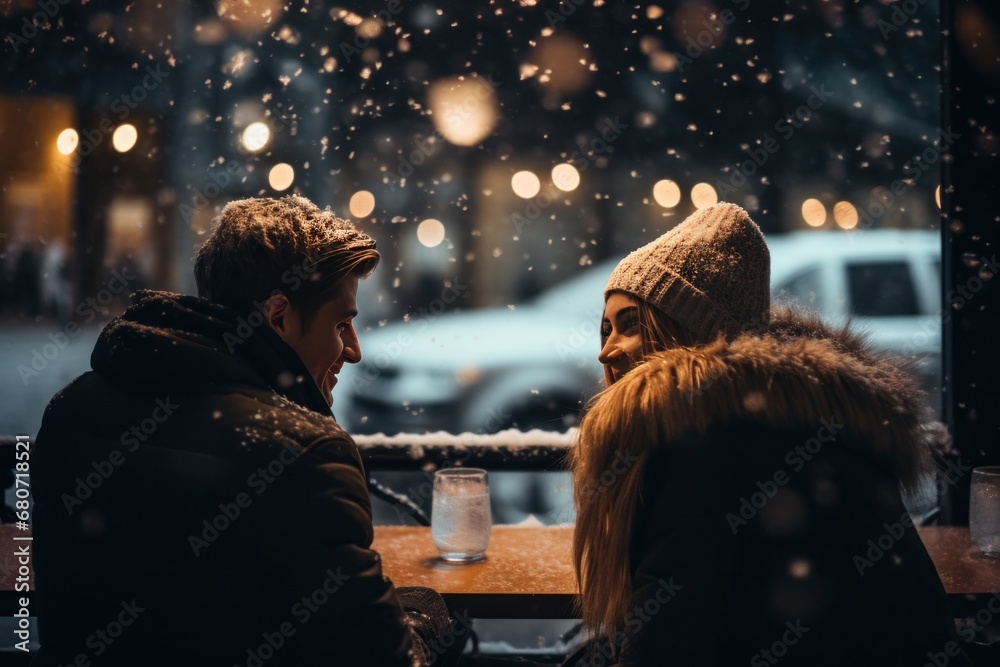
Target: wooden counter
pixel 529 571
pixel 963 570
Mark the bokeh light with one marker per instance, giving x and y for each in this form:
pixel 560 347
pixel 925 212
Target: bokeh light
pixel 704 195
pixel 813 212
pixel 370 28
pixel 565 177
pixel 525 184
pixel 249 17
pixel 362 204
pixel 67 141
pixel 845 215
pixel 562 63
pixel 464 109
pixel 255 136
pixel 667 193
pixel 430 232
pixel 281 176
pixel 124 137
pixel 689 23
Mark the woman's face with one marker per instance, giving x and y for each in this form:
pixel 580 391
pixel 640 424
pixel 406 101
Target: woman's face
pixel 621 335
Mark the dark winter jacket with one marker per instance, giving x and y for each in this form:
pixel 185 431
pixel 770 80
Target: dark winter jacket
pixel 196 503
pixel 771 528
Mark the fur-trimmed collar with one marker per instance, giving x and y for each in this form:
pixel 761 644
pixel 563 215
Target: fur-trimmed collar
pixel 792 375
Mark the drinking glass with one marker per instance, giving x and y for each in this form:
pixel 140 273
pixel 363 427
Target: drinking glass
pixel 460 514
pixel 984 510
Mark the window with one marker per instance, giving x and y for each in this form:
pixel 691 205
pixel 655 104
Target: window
pixel 883 289
pixel 804 289
pixel 503 161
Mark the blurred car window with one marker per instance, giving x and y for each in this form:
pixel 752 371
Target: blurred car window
pixel 804 289
pixel 468 372
pixel 882 289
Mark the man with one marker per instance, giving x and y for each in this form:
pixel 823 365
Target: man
pixel 195 501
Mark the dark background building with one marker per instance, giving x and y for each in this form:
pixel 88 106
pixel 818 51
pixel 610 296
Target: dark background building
pixel 431 109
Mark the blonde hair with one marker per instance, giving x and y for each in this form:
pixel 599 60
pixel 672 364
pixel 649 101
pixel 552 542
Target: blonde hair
pixel 605 508
pixel 606 501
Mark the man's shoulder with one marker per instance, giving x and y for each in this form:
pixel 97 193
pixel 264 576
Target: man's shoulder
pixel 232 421
pixel 271 420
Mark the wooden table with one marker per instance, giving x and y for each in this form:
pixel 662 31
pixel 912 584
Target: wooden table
pixel 967 575
pixel 529 571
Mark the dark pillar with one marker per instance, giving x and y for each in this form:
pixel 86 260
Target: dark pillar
pixel 970 197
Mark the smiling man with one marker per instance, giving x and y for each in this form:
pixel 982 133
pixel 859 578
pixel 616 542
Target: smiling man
pixel 237 524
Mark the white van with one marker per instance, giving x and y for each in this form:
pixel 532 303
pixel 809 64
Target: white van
pixel 533 366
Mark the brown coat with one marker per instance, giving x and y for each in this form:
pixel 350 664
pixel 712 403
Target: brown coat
pixel 790 378
pixel 770 524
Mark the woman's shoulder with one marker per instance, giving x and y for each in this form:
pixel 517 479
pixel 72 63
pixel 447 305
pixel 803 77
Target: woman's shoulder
pixel 797 378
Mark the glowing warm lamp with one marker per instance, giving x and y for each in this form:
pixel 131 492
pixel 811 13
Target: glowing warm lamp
pixel 362 204
pixel 430 232
pixel 464 109
pixel 667 193
pixel 562 63
pixel 565 177
pixel 937 196
pixel 661 61
pixel 281 176
pixel 255 136
pixel 845 215
pixel 813 212
pixel 250 18
pixel 525 184
pixel 67 141
pixel 370 28
pixel 124 137
pixel 704 195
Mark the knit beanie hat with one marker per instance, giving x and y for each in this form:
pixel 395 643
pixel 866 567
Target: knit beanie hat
pixel 710 274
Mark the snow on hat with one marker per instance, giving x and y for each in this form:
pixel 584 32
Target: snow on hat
pixel 710 274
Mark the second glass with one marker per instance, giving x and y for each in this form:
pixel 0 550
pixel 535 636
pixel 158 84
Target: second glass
pixel 984 510
pixel 460 514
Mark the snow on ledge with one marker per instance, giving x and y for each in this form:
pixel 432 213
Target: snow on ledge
pixel 511 438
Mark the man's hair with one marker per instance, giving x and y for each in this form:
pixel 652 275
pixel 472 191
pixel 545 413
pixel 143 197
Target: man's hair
pixel 258 247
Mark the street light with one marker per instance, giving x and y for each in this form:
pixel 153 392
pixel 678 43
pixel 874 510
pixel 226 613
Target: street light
pixel 362 204
pixel 667 193
pixel 430 232
pixel 565 177
pixel 255 136
pixel 525 184
pixel 704 195
pixel 124 137
pixel 813 212
pixel 67 141
pixel 281 176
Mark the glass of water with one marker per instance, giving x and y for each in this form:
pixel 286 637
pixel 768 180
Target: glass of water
pixel 460 514
pixel 984 510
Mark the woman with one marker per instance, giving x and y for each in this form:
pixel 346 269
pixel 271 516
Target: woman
pixel 760 516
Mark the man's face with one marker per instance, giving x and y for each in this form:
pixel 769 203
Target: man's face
pixel 329 340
